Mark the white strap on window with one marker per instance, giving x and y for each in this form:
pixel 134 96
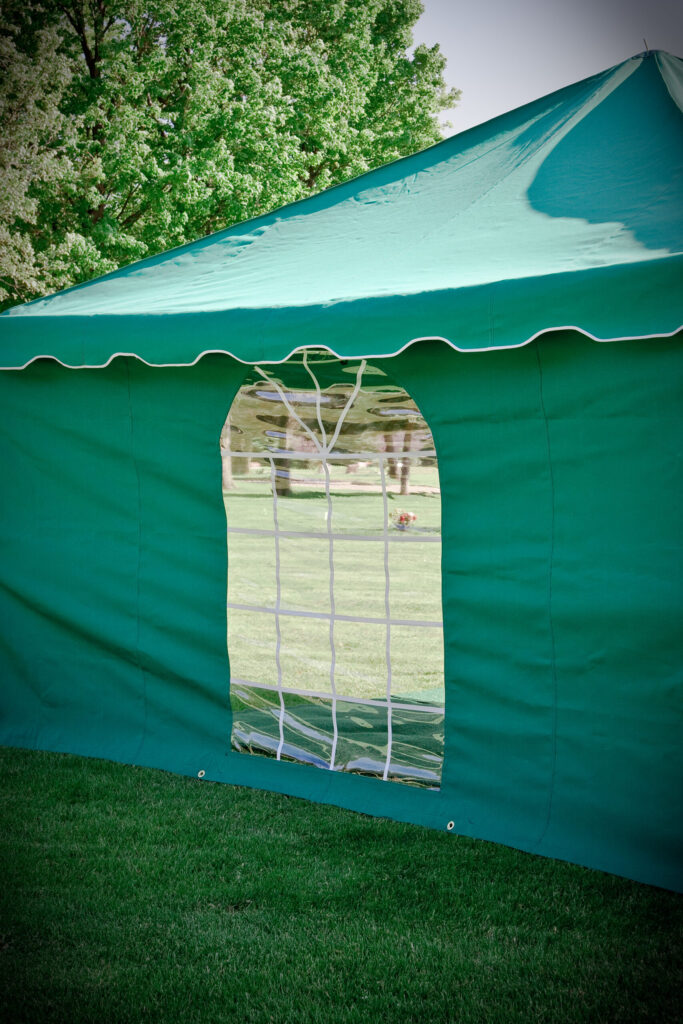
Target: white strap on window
pixel 295 612
pixel 320 454
pixel 290 409
pixel 330 534
pixel 278 594
pixel 387 609
pixel 324 449
pixel 318 398
pixel 427 709
pixel 352 399
pixel 333 652
pixel 398 538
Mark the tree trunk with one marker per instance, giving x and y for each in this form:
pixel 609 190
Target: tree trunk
pixel 405 463
pixel 283 480
pixel 392 464
pixel 228 482
pixel 226 457
pixel 283 485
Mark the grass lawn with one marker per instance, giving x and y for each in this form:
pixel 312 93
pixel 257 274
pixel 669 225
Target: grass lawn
pixel 359 575
pixel 133 895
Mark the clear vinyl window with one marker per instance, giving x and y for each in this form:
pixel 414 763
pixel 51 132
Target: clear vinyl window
pixel 335 638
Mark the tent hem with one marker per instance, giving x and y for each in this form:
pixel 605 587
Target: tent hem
pixel 342 355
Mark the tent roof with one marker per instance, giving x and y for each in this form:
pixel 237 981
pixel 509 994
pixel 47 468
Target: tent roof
pixel 567 212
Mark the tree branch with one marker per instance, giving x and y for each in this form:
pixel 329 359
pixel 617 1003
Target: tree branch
pixel 133 189
pixel 134 217
pixel 77 20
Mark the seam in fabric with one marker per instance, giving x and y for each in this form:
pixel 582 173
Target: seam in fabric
pixel 138 659
pixel 551 561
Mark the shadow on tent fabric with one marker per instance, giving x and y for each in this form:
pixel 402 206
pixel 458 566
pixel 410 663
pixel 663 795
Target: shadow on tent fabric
pixel 565 183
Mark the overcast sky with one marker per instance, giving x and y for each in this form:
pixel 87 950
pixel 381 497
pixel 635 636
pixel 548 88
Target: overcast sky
pixel 503 53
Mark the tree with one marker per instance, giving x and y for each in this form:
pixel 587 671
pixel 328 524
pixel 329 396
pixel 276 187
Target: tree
pixel 34 143
pixel 130 127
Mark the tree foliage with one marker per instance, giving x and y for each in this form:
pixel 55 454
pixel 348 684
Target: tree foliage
pixel 130 126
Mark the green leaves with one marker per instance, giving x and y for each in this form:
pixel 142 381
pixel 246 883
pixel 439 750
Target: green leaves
pixel 127 128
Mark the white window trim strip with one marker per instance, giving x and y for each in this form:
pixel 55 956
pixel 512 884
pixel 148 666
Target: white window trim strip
pixel 333 651
pixel 326 470
pixel 278 596
pixel 330 541
pixel 399 538
pixel 387 608
pixel 341 698
pixel 428 623
pixel 312 456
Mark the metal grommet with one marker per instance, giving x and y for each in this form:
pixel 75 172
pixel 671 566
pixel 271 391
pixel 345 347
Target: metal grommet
pixel 201 773
pixel 450 826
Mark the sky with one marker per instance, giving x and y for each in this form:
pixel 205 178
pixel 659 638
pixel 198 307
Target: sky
pixel 504 53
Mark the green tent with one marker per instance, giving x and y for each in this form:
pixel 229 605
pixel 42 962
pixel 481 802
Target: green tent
pixel 483 276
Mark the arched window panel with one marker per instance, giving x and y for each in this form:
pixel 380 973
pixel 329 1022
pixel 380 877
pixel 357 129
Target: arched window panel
pixel 335 639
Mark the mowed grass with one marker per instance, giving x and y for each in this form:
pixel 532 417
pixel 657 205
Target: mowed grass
pixel 132 895
pixel 359 585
